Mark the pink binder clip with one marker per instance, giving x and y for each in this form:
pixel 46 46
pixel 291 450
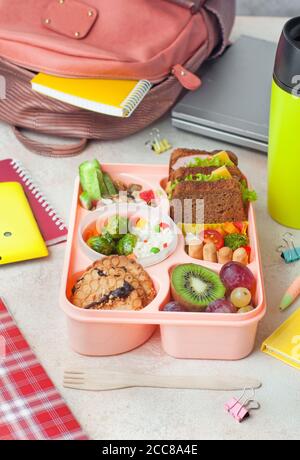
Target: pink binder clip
pixel 240 408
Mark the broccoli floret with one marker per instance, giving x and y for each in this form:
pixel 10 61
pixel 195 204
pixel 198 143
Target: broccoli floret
pixel 235 241
pixel 102 245
pixel 126 245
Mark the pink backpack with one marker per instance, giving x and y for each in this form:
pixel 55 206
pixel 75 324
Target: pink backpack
pixel 164 41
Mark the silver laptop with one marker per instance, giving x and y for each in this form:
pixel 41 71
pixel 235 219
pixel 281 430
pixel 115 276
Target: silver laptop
pixel 233 104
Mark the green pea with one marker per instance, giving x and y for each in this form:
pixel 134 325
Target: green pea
pixel 155 250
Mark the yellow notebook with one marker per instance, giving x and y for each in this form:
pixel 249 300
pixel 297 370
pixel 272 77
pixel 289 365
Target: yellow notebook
pixel 284 344
pixel 118 98
pixel 20 237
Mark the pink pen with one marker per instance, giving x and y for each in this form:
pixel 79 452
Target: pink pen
pixel 291 295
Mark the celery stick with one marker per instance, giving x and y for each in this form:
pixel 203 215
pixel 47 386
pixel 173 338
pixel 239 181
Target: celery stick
pixel 89 180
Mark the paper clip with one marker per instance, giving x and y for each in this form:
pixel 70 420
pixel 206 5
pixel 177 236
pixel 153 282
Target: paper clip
pixel 288 250
pixel 157 144
pixel 240 408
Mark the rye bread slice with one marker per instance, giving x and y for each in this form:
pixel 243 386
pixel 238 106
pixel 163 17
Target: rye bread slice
pixel 182 173
pixel 222 201
pixel 183 153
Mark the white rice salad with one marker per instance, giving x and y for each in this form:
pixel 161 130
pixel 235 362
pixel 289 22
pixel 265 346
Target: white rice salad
pixel 153 237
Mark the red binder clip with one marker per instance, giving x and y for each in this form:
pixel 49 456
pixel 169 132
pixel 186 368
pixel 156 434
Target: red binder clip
pixel 240 408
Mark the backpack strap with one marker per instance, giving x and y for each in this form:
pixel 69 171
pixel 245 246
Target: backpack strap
pixel 57 150
pixel 224 11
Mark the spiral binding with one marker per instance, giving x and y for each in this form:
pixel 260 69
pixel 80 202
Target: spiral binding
pixel 136 96
pixel 28 181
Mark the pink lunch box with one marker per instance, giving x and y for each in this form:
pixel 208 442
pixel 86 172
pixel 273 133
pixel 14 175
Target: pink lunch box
pixel 183 335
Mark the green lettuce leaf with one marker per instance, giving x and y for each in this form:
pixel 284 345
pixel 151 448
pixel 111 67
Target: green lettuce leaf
pixel 248 195
pixel 208 162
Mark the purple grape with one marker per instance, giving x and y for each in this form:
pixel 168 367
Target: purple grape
pixel 235 275
pixel 221 306
pixel 175 307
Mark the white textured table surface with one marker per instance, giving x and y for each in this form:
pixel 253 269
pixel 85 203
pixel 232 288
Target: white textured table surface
pixel 31 292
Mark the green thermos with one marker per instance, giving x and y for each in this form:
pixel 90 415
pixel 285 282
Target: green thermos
pixel 284 136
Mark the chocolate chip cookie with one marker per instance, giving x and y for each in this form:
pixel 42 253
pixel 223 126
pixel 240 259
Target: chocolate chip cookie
pixel 114 283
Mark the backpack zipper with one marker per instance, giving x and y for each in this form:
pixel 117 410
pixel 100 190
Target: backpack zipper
pixel 193 5
pixel 188 79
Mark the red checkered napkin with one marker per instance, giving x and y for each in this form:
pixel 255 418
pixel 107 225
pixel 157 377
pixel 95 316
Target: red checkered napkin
pixel 30 406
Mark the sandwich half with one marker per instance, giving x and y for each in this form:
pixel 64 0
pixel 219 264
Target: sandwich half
pixel 210 189
pixel 185 158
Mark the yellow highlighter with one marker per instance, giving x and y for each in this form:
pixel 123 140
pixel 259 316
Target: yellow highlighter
pixel 20 237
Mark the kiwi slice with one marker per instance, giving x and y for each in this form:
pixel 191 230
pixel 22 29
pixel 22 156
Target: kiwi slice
pixel 195 287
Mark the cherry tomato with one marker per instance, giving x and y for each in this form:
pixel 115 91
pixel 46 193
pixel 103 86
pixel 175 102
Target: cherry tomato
pixel 212 236
pixel 248 249
pixel 239 226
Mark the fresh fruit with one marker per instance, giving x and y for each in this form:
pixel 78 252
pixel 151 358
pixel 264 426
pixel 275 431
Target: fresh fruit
pixel 195 287
pixel 221 173
pixel 241 297
pixel 246 309
pixel 102 245
pixel 147 196
pixel 175 307
pixel 212 236
pixel 221 306
pixel 126 245
pixel 235 275
pixel 111 188
pixel 117 226
pixel 89 180
pixel 236 240
pixel 85 201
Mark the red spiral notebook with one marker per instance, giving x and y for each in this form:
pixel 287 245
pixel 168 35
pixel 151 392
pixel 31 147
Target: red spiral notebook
pixel 31 408
pixel 52 227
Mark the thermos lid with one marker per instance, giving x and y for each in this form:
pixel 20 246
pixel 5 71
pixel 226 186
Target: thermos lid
pixel 287 64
